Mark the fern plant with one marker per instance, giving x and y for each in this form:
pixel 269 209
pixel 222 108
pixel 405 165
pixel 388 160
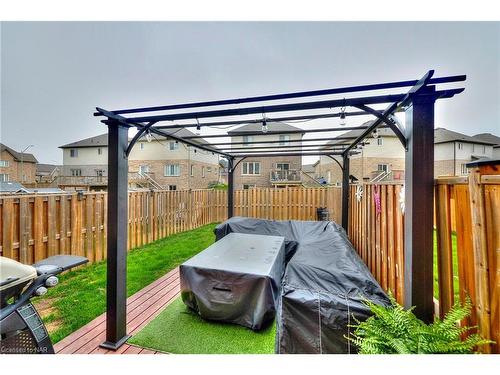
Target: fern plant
pixel 394 330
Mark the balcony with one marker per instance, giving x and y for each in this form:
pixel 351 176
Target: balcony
pixel 285 177
pixel 80 181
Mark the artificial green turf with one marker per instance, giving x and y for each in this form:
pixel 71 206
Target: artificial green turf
pixel 81 295
pixel 181 331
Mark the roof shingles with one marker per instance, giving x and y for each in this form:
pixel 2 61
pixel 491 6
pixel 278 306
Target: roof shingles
pixel 19 156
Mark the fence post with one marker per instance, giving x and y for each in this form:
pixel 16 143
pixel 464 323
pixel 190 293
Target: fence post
pixel 480 252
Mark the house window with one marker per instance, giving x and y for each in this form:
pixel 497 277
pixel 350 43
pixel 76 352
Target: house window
pixel 202 171
pixel 99 151
pixel 484 149
pixel 142 146
pixel 247 139
pixel 143 169
pixel 4 163
pixel 284 138
pixel 251 168
pixel 248 186
pixel 173 146
pixel 380 141
pixel 460 145
pixel 73 153
pixel 172 187
pixel 283 166
pixel 192 170
pixel 172 170
pixel 99 172
pixel 76 172
pixel 383 168
pixel 4 177
pixel 463 169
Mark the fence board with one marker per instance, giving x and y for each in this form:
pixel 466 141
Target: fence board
pixel 444 248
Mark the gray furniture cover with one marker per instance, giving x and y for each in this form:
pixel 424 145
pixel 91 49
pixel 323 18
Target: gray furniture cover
pixel 323 287
pixel 236 280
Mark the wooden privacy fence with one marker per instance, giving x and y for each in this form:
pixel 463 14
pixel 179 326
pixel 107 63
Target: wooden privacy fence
pixel 288 203
pixel 34 227
pixel 467 209
pixel 376 230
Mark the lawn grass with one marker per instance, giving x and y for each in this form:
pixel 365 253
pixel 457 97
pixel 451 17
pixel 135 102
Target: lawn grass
pixel 179 330
pixel 81 295
pixel 455 267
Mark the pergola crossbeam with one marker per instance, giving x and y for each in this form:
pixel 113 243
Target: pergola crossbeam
pixel 300 94
pixel 381 99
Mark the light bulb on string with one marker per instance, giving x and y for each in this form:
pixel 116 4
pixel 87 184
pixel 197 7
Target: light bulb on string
pixel 198 127
pixel 149 137
pixel 342 116
pixel 265 128
pixel 375 134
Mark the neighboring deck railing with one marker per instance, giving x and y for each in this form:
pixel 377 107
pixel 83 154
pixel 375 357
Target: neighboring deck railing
pixel 80 181
pixel 284 176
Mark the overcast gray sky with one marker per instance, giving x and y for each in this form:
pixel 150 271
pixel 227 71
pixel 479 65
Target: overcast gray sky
pixel 53 74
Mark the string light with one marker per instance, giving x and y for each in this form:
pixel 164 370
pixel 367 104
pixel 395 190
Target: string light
pixel 198 127
pixel 342 116
pixel 375 134
pixel 265 128
pixel 148 136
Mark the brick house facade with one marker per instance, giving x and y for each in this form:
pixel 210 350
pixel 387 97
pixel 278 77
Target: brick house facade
pixel 17 166
pixel 452 151
pixel 277 171
pixel 170 164
pixel 383 156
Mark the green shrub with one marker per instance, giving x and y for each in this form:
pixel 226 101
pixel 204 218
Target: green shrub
pixel 394 330
pixel 215 185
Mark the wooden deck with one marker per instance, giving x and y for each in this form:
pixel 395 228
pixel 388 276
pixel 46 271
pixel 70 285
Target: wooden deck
pixel 142 307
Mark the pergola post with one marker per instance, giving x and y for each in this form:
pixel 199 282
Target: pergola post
pixel 345 192
pixel 116 297
pixel 419 205
pixel 230 187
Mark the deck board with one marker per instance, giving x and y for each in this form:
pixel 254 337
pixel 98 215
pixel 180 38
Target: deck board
pixel 142 307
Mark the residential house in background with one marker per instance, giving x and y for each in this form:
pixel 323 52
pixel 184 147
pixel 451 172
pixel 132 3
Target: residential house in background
pixel 311 176
pixel 493 139
pixel 380 159
pixel 157 162
pixel 46 173
pixel 383 158
pixel 16 166
pixel 174 165
pixel 453 150
pixel 280 171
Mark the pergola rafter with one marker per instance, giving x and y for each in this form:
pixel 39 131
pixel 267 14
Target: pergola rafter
pixel 416 136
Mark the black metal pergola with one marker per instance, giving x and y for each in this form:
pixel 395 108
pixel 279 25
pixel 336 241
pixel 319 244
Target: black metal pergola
pixel 416 136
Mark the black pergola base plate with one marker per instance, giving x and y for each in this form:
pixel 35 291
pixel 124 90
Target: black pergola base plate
pixel 114 346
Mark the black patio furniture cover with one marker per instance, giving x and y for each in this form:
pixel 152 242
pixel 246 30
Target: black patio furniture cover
pixel 323 288
pixel 236 280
